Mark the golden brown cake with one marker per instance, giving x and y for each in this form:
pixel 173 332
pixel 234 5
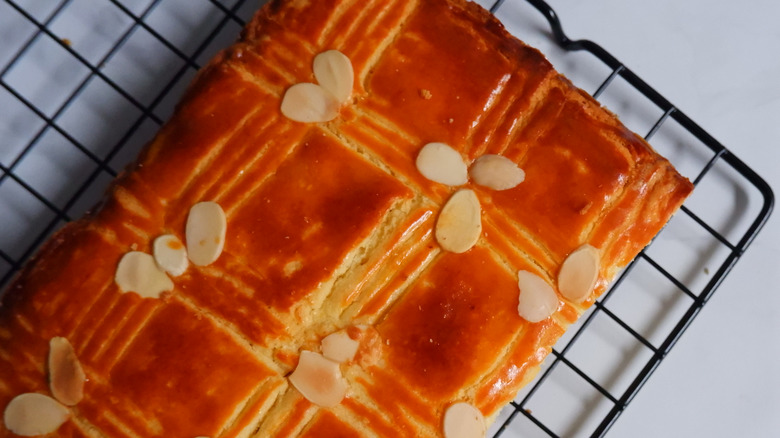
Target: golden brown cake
pixel 331 228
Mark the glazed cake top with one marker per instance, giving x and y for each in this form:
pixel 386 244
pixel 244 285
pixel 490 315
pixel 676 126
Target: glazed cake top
pixel 330 226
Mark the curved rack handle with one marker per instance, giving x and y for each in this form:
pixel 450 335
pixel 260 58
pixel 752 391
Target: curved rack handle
pixel 720 153
pixel 670 110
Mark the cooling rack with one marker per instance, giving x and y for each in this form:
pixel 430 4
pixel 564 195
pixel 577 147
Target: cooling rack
pixel 84 84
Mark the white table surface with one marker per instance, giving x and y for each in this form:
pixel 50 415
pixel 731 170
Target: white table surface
pixel 719 62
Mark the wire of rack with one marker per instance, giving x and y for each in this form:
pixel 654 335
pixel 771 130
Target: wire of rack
pixel 47 120
pixel 736 246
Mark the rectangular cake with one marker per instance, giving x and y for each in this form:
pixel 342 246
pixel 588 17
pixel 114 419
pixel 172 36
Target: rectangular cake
pixel 364 219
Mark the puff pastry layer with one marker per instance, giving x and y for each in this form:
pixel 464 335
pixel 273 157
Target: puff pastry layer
pixel 331 227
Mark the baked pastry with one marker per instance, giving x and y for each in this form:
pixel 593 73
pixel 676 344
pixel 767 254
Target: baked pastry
pixel 341 283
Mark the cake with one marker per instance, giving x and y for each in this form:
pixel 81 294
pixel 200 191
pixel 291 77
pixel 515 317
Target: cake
pixel 363 219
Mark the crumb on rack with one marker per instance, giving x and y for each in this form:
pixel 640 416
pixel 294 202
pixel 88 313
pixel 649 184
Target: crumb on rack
pixel 426 94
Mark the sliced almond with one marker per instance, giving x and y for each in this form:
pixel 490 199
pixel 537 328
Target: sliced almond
pixel 205 233
pixel 579 273
pixel 460 223
pixel 537 299
pixel 441 163
pixel 319 379
pixel 309 103
pixel 339 347
pixel 66 376
pixel 463 420
pixel 138 272
pixel 496 172
pixel 34 414
pixel 170 254
pixel 333 71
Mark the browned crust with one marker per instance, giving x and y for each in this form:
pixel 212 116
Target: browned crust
pixel 383 266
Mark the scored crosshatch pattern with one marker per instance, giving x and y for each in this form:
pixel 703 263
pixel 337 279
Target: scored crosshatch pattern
pixel 687 261
pixel 47 137
pixel 125 142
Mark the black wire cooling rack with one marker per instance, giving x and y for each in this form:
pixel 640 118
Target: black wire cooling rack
pixel 84 84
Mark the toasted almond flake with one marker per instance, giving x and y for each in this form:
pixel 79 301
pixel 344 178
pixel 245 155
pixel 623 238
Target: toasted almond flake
pixel 441 163
pixel 319 379
pixel 309 103
pixel 333 71
pixel 463 420
pixel 170 254
pixel 537 299
pixel 33 414
pixel 339 347
pixel 205 233
pixel 292 267
pixel 66 376
pixel 579 273
pixel 496 172
pixel 138 272
pixel 460 223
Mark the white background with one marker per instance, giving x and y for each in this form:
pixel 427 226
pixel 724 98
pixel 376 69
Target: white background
pixel 719 62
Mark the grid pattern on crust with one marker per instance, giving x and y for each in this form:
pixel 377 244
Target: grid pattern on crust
pixel 44 132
